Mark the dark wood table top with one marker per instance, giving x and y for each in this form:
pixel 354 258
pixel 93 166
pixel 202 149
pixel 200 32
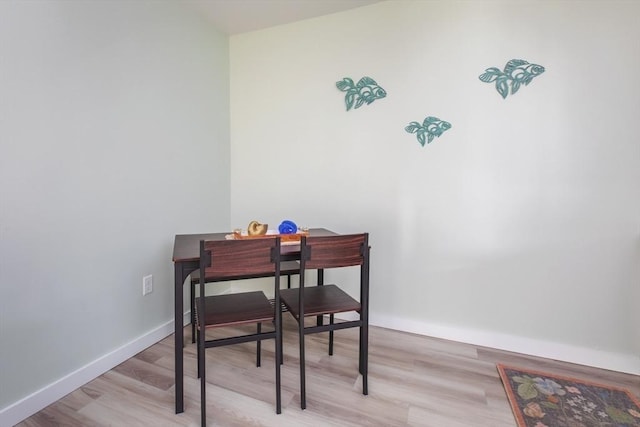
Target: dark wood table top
pixel 186 247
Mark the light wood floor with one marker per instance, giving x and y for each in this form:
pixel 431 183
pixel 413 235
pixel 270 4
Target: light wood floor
pixel 413 381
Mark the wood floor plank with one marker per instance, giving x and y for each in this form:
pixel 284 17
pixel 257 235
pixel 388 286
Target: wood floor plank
pixel 413 381
pixel 147 373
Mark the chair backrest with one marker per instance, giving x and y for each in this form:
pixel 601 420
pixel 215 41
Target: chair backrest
pixel 335 251
pixel 237 258
pixel 325 252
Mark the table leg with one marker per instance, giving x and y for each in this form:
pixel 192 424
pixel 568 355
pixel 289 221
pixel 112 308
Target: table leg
pixel 319 320
pixel 179 337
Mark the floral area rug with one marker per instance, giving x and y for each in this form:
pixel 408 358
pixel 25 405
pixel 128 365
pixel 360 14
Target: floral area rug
pixel 540 399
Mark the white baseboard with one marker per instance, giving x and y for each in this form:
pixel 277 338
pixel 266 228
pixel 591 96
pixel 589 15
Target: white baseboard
pixel 619 362
pixel 24 408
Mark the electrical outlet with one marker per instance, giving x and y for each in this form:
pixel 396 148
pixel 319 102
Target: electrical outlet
pixel 147 285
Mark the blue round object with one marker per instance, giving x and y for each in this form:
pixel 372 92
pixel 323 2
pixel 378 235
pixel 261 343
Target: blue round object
pixel 287 227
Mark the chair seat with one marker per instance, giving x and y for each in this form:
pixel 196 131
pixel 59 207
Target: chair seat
pixel 327 299
pixel 235 309
pixel 286 268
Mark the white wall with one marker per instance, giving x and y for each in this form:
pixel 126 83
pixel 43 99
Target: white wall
pixel 114 137
pixel 519 227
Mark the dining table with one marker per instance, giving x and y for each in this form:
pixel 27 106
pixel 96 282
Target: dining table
pixel 186 260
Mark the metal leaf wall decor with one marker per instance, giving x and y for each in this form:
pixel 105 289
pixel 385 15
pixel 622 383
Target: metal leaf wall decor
pixel 516 73
pixel 430 128
pixel 365 91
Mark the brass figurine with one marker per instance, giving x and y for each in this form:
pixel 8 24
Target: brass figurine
pixel 257 229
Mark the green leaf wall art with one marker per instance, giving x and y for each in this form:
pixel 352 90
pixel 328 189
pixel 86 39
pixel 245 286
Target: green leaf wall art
pixel 365 91
pixel 516 73
pixel 429 129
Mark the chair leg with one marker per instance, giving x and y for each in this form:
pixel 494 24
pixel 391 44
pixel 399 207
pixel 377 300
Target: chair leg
pixel 360 353
pixel 364 349
pixel 278 344
pixel 288 281
pixel 193 312
pixel 198 350
pixel 258 345
pixel 203 381
pixel 279 314
pixel 331 336
pixel 303 393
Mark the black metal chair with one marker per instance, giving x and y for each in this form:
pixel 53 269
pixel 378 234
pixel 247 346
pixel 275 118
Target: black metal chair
pixel 321 253
pixel 287 268
pixel 229 259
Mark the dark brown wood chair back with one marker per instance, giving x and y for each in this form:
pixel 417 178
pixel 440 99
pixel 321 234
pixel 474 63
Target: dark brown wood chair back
pixel 236 258
pixel 334 251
